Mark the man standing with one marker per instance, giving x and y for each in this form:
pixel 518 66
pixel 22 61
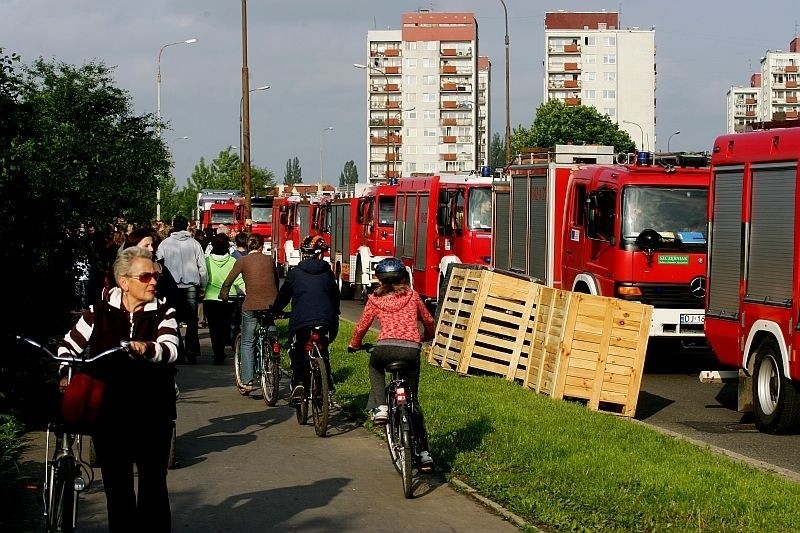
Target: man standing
pixel 184 258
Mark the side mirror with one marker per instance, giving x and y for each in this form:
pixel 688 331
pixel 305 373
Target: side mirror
pixel 443 219
pixel 444 196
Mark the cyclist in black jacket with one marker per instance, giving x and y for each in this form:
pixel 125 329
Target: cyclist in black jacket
pixel 314 294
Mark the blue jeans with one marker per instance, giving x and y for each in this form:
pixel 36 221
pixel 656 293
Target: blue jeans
pixel 249 323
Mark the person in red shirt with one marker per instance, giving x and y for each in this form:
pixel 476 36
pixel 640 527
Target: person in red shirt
pixel 398 308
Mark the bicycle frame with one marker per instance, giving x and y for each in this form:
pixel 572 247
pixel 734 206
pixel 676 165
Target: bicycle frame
pixel 266 358
pixel 401 439
pixel 317 395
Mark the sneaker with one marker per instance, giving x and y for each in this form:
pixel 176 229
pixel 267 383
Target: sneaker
pixel 297 394
pixel 380 415
pixel 248 387
pixel 425 461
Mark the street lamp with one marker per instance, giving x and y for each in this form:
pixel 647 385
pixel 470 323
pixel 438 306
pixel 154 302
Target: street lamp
pixel 508 109
pixel 640 129
pixel 321 133
pixel 262 88
pixel 386 83
pixel 670 138
pixel 158 112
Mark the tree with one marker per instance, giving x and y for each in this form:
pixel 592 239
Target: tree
pixel 72 151
pixel 349 175
pixel 294 173
pixel 557 123
pixel 497 157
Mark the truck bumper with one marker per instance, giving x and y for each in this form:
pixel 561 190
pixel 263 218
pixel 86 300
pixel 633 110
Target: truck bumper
pixel 677 323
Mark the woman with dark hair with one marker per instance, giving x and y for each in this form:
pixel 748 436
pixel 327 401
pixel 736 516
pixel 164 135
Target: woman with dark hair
pixel 219 263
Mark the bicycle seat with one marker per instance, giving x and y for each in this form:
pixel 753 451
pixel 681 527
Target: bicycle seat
pixel 397 366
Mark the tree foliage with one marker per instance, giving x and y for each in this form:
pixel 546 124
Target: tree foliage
pixel 557 123
pixel 73 152
pixel 349 175
pixel 293 174
pixel 497 155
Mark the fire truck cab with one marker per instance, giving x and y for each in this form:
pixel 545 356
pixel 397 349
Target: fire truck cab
pixel 753 301
pixel 442 219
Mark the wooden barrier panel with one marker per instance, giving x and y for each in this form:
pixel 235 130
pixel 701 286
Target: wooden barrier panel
pixel 555 342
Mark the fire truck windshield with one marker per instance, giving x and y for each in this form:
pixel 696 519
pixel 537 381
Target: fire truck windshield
pixel 678 214
pixel 222 217
pixel 479 213
pixel 261 214
pixel 386 211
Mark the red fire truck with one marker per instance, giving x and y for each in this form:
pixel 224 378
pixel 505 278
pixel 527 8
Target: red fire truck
pixel 261 219
pixel 294 219
pixel 361 234
pixel 215 207
pixel 442 219
pixel 753 300
pixel 634 230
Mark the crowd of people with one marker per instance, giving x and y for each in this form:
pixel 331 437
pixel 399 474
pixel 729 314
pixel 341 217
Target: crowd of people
pixel 145 283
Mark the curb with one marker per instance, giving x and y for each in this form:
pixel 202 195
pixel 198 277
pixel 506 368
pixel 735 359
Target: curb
pixel 496 507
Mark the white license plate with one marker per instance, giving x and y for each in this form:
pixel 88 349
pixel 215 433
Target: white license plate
pixel 693 319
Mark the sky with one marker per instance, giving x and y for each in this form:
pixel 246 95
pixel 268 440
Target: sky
pixel 305 50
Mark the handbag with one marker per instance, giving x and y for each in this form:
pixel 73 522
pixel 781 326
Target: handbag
pixel 81 403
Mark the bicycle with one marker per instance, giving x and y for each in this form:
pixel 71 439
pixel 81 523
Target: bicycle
pixel 266 358
pixel 317 394
pixel 66 472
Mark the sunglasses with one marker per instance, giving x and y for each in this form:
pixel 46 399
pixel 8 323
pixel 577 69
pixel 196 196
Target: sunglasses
pixel 146 277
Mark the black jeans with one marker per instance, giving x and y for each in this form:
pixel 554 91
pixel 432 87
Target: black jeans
pixel 218 315
pixel 186 312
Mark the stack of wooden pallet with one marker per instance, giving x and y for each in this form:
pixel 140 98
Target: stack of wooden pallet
pixel 555 342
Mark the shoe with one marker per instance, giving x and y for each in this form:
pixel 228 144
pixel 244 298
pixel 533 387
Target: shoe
pixel 298 393
pixel 202 324
pixel 248 387
pixel 380 415
pixel 425 462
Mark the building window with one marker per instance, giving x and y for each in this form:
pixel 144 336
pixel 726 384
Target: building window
pixel 429 80
pixel 432 45
pixel 411 80
pixel 609 94
pixel 411 132
pixel 411 114
pixel 609 76
pixel 429 149
pixel 411 45
pixel 590 59
pixel 610 111
pixel 589 76
pixel 429 97
pixel 429 62
pixel 589 94
pixel 590 41
pixel 429 114
pixel 411 62
pixel 411 149
pixel 429 132
pixel 609 59
pixel 610 40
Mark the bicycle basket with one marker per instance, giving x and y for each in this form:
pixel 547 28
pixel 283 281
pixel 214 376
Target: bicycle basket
pixel 81 403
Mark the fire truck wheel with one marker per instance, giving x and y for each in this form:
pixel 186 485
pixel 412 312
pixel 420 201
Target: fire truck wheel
pixel 776 400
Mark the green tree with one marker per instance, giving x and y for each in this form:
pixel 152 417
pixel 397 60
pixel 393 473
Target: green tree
pixel 349 175
pixel 557 123
pixel 497 157
pixel 72 151
pixel 293 174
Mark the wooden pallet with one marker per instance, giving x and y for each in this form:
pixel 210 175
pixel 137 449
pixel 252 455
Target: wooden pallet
pixel 554 342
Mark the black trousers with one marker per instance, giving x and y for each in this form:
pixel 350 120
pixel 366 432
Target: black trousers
pixel 218 315
pixel 297 353
pixel 146 445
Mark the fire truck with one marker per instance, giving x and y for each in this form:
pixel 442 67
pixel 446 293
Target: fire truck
pixel 442 219
pixel 753 294
pixel 261 218
pixel 361 234
pixel 215 207
pixel 297 218
pixel 628 227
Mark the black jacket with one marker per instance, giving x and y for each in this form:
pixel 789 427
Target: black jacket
pixel 314 295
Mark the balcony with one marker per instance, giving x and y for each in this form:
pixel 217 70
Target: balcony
pixel 448 139
pixel 750 101
pixel 449 86
pixel 791 85
pixel 572 101
pixel 392 87
pixel 392 104
pixel 571 66
pixel 395 139
pixel 392 52
pixel 450 52
pixel 791 99
pixel 449 157
pixel 449 104
pixel 393 122
pixel 791 115
pixel 572 48
pixel 449 121
pixel 749 113
pixel 391 157
pixel 449 69
pixel 392 70
pixel 571 84
pixel 790 68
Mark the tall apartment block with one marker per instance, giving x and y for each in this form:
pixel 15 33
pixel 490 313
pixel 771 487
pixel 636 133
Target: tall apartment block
pixel 590 61
pixel 743 105
pixel 427 97
pixel 773 92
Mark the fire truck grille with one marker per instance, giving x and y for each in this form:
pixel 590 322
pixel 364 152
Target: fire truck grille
pixel 667 296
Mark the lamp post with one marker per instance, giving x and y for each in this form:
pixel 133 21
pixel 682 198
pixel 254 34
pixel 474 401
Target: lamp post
pixel 247 183
pixel 321 133
pixel 386 82
pixel 640 129
pixel 508 109
pixel 158 111
pixel 262 88
pixel 670 138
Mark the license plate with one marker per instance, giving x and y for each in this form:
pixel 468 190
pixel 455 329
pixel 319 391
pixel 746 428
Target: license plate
pixel 693 319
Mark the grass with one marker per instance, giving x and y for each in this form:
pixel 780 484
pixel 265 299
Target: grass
pixel 563 467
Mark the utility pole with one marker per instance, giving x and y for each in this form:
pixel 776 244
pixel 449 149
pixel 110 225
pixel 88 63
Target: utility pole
pixel 246 190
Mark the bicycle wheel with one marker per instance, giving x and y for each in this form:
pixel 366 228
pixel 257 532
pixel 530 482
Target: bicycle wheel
pixel 393 440
pixel 320 403
pixel 405 452
pixel 301 409
pixel 237 364
pixel 270 373
pixel 62 500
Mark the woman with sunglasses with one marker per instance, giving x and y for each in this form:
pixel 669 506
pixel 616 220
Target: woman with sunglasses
pixel 134 424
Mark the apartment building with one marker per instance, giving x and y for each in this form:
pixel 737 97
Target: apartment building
pixel 427 97
pixel 772 95
pixel 743 105
pixel 589 60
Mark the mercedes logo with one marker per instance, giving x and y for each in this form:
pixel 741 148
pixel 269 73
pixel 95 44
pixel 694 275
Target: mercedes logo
pixel 698 287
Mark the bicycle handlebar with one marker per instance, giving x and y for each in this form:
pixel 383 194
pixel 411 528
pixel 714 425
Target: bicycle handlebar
pixel 366 347
pixel 75 358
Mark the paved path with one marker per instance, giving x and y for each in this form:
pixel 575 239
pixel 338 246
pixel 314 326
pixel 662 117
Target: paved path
pixel 243 466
